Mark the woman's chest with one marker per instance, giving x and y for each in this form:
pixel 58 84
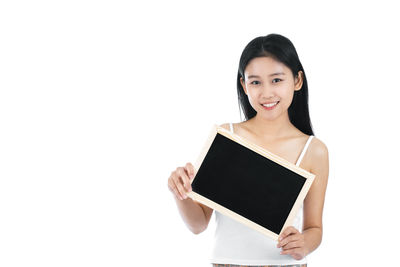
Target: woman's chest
pixel 288 148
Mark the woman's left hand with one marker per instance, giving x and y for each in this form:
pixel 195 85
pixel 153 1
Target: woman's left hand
pixel 292 243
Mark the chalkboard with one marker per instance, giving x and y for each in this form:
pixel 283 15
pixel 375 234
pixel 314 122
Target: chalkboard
pixel 248 183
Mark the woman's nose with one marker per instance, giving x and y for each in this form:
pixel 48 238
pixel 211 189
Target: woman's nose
pixel 267 92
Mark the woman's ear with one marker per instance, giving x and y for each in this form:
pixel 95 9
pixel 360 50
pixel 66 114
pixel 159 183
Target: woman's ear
pixel 243 85
pixel 298 81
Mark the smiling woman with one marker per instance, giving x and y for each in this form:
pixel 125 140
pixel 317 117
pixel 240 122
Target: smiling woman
pixel 273 94
pixel 266 62
pixel 267 89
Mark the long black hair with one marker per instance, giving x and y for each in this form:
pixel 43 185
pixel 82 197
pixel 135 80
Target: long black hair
pixel 281 49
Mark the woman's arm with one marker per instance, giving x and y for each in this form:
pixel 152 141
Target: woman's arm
pixel 296 244
pixel 314 201
pixel 195 215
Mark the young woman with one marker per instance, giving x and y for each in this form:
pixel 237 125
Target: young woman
pixel 273 94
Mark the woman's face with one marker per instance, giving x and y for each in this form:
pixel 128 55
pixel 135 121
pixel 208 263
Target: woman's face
pixel 270 86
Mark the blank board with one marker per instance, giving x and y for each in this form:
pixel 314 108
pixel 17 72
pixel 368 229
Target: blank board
pixel 248 183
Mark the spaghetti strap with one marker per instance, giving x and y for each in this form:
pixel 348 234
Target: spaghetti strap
pixel 230 124
pixel 304 150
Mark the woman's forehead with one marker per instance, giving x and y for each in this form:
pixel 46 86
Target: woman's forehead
pixel 265 66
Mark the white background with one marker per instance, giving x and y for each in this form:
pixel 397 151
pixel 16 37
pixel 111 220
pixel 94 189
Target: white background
pixel 101 100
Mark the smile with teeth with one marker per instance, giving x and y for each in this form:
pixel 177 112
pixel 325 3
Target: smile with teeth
pixel 270 105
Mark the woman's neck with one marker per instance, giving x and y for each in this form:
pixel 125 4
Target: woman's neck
pixel 271 128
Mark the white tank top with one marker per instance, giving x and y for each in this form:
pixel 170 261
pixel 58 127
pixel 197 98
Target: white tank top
pixel 235 243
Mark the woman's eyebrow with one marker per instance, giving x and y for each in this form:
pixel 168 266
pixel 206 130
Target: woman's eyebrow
pixel 273 74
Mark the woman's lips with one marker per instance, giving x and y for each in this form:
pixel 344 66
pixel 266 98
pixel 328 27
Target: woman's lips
pixel 270 106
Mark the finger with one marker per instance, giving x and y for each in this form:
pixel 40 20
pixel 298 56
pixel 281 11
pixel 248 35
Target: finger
pixel 288 239
pixel 178 184
pixel 177 194
pixel 173 189
pixel 185 179
pixel 289 230
pixel 290 251
pixel 190 169
pixel 296 253
pixel 180 188
pixel 293 244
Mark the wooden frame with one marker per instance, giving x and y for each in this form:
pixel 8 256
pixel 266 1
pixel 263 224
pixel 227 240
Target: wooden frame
pixel 309 178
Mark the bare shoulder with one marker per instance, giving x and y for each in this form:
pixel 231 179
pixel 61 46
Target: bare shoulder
pixel 318 148
pixel 225 126
pixel 238 126
pixel 319 155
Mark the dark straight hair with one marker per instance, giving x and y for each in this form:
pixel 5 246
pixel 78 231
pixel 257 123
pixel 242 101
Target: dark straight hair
pixel 281 49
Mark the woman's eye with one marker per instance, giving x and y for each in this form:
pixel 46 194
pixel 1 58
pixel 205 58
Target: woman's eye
pixel 276 79
pixel 253 82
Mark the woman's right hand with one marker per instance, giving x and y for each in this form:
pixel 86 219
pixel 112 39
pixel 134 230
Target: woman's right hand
pixel 179 183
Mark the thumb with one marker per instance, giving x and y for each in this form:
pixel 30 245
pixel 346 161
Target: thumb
pixel 190 169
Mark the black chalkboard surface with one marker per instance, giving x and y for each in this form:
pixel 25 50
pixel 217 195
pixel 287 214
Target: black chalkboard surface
pixel 248 183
